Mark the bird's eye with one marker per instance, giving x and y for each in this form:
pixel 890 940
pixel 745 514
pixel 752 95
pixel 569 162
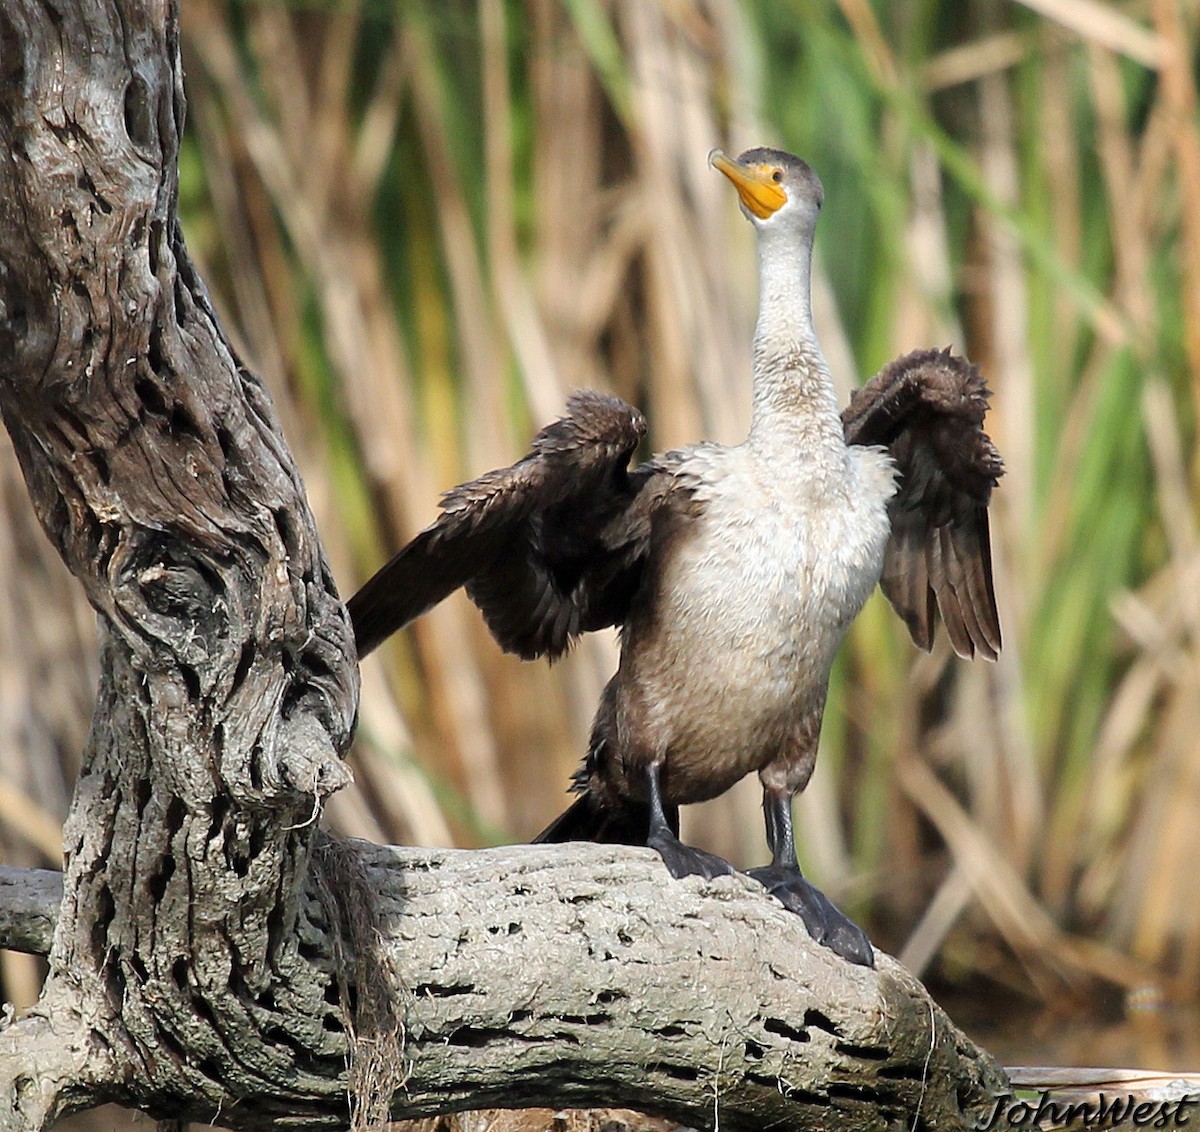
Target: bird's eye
pixel 777 176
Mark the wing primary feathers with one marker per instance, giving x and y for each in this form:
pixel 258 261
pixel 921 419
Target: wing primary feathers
pixel 958 595
pixel 413 582
pixel 554 545
pixel 927 409
pixel 983 589
pixel 940 578
pixel 906 576
pixel 538 545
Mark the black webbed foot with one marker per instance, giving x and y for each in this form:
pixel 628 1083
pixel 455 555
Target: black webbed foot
pixel 663 837
pixel 825 923
pixel 685 860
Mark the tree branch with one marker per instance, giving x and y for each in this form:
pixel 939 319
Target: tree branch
pixel 585 976
pixel 29 903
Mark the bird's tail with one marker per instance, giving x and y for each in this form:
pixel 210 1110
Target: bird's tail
pixel 587 819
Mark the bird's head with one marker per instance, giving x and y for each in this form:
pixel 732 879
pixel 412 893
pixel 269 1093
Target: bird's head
pixel 778 191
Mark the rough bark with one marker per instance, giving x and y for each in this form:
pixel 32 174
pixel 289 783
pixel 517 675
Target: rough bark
pixel 205 960
pixel 155 464
pixel 29 902
pixel 569 978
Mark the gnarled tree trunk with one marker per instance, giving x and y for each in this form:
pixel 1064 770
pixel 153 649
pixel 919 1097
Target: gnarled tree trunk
pixel 228 686
pixel 206 961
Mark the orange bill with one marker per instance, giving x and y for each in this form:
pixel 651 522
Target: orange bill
pixel 757 185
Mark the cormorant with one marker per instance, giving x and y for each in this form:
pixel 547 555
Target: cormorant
pixel 733 572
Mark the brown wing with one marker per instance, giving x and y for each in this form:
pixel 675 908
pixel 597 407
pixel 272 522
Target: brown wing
pixel 927 408
pixel 545 548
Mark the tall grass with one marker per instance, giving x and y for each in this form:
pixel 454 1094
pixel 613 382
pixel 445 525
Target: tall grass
pixel 428 222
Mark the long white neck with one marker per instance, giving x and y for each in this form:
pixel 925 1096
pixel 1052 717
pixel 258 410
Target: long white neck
pixel 794 399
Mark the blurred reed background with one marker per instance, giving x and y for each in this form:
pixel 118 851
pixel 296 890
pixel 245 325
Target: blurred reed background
pixel 428 221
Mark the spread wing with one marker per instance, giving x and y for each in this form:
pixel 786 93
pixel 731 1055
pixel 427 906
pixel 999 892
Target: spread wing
pixel 927 408
pixel 548 548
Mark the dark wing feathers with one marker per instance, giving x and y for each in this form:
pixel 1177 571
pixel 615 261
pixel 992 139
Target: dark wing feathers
pixel 927 408
pixel 540 546
pixel 554 545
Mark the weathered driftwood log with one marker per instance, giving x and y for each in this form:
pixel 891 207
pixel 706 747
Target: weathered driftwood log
pixel 570 977
pixel 207 961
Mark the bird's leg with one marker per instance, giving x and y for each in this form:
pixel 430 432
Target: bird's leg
pixel 783 880
pixel 681 860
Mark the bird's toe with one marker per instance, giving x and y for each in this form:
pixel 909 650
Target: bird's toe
pixel 825 922
pixel 685 860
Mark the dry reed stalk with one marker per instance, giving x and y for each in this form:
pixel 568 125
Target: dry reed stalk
pixel 1130 243
pixel 1008 362
pixel 1117 162
pixel 47 680
pixel 1159 920
pixel 341 258
pixel 1105 25
pixel 1179 95
pixel 990 54
pixel 1053 960
pixel 1062 164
